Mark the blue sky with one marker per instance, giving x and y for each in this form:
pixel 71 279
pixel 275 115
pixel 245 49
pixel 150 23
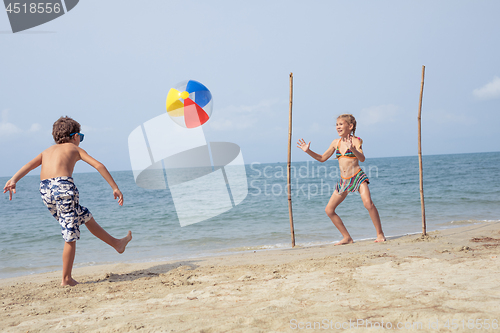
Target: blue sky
pixel 110 64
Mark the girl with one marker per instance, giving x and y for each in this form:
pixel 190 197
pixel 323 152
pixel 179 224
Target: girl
pixel 349 152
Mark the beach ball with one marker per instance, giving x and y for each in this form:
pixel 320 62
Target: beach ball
pixel 189 104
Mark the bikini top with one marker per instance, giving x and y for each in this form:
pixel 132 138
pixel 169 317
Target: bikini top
pixel 348 153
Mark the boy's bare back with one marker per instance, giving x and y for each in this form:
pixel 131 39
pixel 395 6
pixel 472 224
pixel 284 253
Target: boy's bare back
pixel 59 160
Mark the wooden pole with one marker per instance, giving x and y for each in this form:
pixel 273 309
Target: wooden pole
pixel 289 161
pixel 424 227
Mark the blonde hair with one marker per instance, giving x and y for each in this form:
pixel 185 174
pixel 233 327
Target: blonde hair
pixel 350 119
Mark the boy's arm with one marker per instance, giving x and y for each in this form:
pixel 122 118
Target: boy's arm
pixel 104 173
pixel 11 183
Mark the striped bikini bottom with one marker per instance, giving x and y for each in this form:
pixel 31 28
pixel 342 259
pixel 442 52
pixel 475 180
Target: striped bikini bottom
pixel 352 183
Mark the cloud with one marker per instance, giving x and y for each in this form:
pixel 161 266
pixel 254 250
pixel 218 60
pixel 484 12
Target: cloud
pixel 444 117
pixel 8 129
pixel 35 127
pixel 488 91
pixel 378 114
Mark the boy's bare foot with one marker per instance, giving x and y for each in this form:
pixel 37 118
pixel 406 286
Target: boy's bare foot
pixel 122 243
pixel 345 241
pixel 380 239
pixel 69 282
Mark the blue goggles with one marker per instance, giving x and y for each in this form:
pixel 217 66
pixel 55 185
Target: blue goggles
pixel 80 134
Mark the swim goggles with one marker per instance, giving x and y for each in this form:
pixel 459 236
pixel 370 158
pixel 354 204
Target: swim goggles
pixel 80 134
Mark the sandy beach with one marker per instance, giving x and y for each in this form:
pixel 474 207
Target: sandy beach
pixel 447 281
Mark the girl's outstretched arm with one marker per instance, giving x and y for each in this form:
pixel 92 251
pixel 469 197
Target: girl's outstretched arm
pixel 321 158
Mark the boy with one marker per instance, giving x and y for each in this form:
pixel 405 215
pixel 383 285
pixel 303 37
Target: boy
pixel 60 194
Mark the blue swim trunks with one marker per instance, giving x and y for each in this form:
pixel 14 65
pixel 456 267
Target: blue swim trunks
pixel 61 197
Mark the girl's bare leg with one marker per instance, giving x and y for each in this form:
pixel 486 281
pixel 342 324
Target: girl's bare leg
pixel 118 244
pixel 68 259
pixel 364 191
pixel 335 200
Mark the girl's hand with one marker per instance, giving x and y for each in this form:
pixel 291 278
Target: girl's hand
pixel 303 145
pixel 11 187
pixel 348 142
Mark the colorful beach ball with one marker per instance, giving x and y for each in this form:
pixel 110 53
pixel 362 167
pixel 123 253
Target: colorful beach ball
pixel 189 104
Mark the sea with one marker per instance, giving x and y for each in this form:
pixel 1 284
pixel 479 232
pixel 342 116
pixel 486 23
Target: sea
pixel 459 189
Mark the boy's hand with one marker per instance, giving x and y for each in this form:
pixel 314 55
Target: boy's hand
pixel 118 194
pixel 11 187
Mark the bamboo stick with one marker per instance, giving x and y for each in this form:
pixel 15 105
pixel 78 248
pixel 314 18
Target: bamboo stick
pixel 289 161
pixel 424 227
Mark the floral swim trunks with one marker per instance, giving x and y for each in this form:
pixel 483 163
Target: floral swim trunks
pixel 61 197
